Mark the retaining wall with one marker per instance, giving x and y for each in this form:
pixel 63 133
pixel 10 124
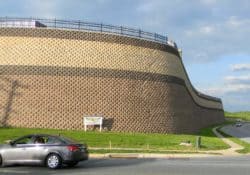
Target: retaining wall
pixel 50 78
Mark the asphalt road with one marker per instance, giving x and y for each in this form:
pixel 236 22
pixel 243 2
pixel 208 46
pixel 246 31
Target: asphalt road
pixel 242 132
pixel 195 166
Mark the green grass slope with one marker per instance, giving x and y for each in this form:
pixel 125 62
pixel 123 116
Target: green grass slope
pixel 238 115
pixel 126 140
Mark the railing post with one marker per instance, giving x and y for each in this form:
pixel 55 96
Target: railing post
pixel 121 30
pixel 101 27
pixel 29 24
pixel 155 36
pixel 79 25
pixel 139 33
pixel 55 22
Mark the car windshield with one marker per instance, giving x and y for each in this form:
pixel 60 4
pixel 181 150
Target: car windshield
pixel 24 140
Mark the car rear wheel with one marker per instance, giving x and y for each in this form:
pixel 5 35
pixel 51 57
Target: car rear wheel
pixel 1 161
pixel 53 161
pixel 72 164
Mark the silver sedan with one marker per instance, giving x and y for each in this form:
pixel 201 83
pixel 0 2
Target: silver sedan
pixel 49 150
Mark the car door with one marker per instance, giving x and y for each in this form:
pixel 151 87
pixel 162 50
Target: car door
pixel 18 151
pixel 25 151
pixel 39 150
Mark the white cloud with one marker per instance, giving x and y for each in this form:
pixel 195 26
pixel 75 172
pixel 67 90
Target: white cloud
pixel 207 29
pixel 145 7
pixel 235 97
pixel 234 21
pixel 232 84
pixel 241 67
pixel 245 79
pixel 226 89
pixel 217 39
pixel 234 90
pixel 202 30
pixel 42 8
pixel 208 2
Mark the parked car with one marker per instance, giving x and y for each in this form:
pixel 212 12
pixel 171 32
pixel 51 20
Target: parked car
pixel 49 150
pixel 238 124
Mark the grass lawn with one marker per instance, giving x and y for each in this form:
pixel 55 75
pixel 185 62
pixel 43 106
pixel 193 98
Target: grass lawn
pixel 126 140
pixel 238 115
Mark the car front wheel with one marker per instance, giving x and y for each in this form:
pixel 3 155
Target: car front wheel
pixel 53 161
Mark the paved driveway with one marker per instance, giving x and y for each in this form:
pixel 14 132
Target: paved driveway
pixel 242 132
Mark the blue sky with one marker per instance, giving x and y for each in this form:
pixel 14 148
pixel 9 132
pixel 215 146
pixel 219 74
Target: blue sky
pixel 214 35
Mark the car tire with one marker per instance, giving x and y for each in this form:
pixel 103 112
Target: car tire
pixel 53 161
pixel 72 164
pixel 1 161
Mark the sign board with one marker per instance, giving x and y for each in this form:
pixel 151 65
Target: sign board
pixel 92 120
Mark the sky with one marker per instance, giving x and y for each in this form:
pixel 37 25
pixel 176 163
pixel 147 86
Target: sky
pixel 214 35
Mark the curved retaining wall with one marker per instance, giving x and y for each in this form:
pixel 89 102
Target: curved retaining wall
pixel 51 78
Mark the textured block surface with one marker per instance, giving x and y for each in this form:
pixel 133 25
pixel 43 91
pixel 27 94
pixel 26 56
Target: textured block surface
pixel 51 78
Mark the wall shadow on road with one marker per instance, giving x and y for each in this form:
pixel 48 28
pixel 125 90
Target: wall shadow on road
pixel 100 163
pixel 87 166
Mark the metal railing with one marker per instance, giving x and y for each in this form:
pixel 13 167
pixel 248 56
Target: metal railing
pixel 85 26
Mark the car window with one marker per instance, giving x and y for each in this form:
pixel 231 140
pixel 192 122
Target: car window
pixel 40 140
pixel 68 141
pixel 24 140
pixel 53 140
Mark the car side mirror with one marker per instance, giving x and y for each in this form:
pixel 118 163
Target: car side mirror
pixel 12 143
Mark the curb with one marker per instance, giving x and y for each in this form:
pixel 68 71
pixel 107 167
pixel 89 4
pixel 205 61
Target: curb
pixel 142 156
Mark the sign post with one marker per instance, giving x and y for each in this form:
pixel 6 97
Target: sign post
pixel 92 120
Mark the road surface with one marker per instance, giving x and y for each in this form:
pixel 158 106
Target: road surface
pixel 194 166
pixel 242 132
